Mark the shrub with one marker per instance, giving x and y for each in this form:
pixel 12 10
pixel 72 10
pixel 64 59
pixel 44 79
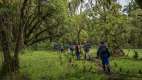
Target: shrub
pixel 136 55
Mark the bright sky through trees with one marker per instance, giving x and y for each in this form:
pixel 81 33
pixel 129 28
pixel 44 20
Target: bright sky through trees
pixel 87 4
pixel 124 2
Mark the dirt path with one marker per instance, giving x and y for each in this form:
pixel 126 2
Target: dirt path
pixel 116 76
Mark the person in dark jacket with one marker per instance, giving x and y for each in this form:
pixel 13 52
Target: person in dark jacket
pixel 71 47
pixel 86 48
pixel 77 51
pixel 104 55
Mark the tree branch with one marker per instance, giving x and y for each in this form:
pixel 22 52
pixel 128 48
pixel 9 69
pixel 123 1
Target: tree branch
pixel 38 40
pixel 42 39
pixel 35 36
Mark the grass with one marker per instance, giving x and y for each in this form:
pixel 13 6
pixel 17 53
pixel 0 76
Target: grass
pixel 49 65
pixel 130 52
pixel 46 65
pixel 133 66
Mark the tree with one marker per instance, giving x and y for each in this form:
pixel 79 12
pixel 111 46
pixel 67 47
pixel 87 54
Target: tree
pixel 109 24
pixel 34 21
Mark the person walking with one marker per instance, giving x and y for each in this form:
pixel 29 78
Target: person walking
pixel 104 54
pixel 77 51
pixel 86 48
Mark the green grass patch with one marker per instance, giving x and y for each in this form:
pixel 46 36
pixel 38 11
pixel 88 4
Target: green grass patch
pixel 130 52
pixel 127 65
pixel 47 65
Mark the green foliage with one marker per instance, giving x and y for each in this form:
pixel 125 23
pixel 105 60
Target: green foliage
pixel 49 67
pixel 126 65
pixel 44 65
pixel 136 55
pixel 24 23
pixel 139 2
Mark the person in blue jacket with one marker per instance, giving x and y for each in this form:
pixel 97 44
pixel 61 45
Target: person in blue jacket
pixel 77 51
pixel 104 54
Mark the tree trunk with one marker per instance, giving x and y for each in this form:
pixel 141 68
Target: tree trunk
pixel 8 65
pixel 78 36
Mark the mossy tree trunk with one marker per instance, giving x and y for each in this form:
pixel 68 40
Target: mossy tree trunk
pixel 10 63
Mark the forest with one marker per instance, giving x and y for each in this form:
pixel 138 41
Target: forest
pixel 70 39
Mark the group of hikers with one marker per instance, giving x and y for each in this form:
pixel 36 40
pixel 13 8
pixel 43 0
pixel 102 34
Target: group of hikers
pixel 76 49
